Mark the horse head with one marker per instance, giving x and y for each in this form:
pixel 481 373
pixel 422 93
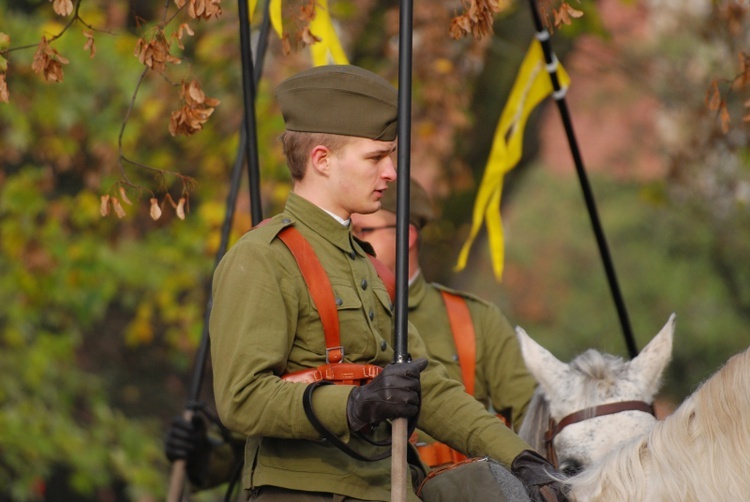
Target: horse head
pixel 596 402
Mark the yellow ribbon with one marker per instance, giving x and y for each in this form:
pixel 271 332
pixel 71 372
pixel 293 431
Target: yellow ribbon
pixel 531 86
pixel 322 27
pixel 274 12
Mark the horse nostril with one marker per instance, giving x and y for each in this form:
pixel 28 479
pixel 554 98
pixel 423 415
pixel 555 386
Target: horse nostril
pixel 570 467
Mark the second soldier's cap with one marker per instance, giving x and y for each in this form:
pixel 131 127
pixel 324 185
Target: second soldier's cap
pixel 420 205
pixel 339 99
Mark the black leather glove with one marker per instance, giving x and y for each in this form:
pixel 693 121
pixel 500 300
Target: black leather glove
pixel 395 393
pixel 539 477
pixel 187 440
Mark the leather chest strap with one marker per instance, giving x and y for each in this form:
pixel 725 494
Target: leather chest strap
pixel 464 337
pixel 320 289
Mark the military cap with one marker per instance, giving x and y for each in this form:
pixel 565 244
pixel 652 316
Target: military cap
pixel 420 206
pixel 339 99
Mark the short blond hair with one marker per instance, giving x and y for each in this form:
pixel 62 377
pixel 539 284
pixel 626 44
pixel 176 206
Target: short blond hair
pixel 298 145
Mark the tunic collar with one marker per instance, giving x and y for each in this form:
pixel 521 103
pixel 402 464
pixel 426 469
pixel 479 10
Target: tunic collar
pixel 321 222
pixel 417 291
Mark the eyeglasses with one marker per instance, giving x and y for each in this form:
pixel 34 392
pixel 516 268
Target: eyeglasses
pixel 361 232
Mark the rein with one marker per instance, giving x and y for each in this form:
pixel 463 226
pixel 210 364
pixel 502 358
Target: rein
pixel 585 414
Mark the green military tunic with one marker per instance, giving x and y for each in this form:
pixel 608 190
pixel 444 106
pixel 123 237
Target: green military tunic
pixel 264 324
pixel 502 379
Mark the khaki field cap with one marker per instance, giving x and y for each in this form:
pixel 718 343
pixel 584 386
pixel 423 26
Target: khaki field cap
pixel 339 99
pixel 420 206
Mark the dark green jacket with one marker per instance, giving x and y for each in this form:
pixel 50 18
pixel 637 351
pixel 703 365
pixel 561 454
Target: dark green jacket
pixel 502 379
pixel 264 324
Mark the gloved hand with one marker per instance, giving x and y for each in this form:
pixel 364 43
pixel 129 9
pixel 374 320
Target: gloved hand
pixel 394 393
pixel 187 440
pixel 539 477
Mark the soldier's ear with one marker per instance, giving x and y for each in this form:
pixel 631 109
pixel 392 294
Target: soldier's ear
pixel 320 157
pixel 413 236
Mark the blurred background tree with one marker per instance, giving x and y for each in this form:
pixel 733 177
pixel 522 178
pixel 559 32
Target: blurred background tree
pixel 101 317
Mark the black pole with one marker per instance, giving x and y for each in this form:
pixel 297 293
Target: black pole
pixel 559 95
pixel 248 92
pixel 234 188
pixel 399 466
pixel 243 152
pixel 402 194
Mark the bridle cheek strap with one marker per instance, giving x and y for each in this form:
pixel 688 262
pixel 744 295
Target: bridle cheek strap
pixel 579 416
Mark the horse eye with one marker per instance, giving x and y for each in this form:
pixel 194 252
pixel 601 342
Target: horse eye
pixel 570 467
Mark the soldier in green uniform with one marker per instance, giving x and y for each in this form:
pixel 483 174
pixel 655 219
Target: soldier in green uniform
pixel 339 141
pixel 501 379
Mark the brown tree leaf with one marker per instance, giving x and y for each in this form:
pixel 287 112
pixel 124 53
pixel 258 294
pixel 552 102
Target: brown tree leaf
pixel 195 110
pixel 744 68
pixel 89 45
pixel 62 7
pixel 124 196
pixel 155 53
pixel 180 209
pixel 119 211
pixel 713 96
pixel 104 205
pixel 48 62
pixel 155 210
pixel 205 9
pixel 726 119
pixel 4 94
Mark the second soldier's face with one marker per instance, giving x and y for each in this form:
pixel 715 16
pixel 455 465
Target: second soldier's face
pixel 361 172
pixel 379 230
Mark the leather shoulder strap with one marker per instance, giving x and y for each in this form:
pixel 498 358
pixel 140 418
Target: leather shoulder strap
pixel 320 289
pixel 463 335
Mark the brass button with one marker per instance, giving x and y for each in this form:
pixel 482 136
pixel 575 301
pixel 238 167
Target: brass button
pixel 372 315
pixel 364 284
pixel 383 345
pixel 339 302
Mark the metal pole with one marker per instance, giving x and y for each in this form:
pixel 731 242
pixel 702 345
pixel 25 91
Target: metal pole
pixel 559 95
pixel 248 92
pixel 399 467
pixel 177 478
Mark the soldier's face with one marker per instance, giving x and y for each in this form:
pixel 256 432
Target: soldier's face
pixel 379 229
pixel 360 173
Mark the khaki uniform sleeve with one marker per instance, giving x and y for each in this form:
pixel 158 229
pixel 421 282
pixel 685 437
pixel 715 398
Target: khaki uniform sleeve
pixel 253 323
pixel 501 367
pixel 454 417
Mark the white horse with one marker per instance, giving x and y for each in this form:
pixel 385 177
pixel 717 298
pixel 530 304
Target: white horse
pixel 623 453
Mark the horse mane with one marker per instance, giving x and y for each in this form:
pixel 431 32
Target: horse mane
pixel 597 369
pixel 697 453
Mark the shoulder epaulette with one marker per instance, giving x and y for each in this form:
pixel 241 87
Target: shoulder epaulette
pixel 462 294
pixel 270 228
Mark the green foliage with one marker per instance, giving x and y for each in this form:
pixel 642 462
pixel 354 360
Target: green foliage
pixel 100 315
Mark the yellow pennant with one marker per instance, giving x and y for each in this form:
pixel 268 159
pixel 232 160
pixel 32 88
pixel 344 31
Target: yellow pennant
pixel 251 4
pixel 329 44
pixel 274 12
pixel 532 85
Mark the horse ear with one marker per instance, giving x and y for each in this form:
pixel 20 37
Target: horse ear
pixel 546 368
pixel 649 365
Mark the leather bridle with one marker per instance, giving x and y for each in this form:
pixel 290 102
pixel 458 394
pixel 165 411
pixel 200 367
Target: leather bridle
pixel 585 414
